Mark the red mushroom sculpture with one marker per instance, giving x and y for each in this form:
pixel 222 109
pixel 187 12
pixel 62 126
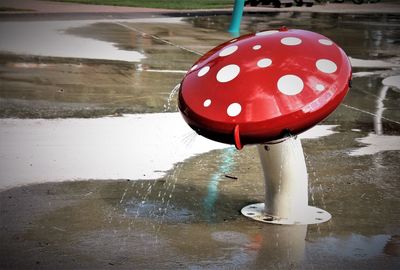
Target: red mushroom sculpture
pixel 262 87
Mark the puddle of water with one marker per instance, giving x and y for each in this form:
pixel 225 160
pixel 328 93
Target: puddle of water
pixel 48 38
pixel 393 81
pixel 129 147
pixel 318 131
pixel 146 209
pixel 376 143
pixel 59 216
pixel 354 246
pixel 363 63
pixel 141 146
pixel 360 35
pixel 362 74
pixel 159 20
pixel 231 237
pixel 141 68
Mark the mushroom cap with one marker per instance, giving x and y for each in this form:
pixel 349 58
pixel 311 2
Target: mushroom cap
pixel 259 87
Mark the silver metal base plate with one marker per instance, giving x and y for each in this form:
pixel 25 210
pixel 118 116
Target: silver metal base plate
pixel 312 215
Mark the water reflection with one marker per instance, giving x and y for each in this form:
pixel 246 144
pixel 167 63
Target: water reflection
pixel 212 188
pixel 46 38
pixel 354 32
pixel 354 246
pixel 281 246
pixel 378 142
pixel 380 108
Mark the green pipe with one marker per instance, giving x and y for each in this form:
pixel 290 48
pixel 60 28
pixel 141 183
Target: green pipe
pixel 234 27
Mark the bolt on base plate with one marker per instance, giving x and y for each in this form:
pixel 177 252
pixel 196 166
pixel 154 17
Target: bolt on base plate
pixel 312 215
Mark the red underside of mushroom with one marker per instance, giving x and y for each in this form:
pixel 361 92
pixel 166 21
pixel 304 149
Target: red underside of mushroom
pixel 262 86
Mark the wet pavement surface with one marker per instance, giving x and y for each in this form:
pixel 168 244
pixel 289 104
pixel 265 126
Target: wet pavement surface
pixel 190 217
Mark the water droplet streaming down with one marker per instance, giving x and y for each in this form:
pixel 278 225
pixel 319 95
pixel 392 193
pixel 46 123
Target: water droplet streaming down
pixel 171 99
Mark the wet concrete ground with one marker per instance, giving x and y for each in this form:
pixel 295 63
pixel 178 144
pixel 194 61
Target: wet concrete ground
pixel 190 218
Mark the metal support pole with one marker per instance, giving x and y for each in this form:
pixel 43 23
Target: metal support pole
pixel 286 186
pixel 234 27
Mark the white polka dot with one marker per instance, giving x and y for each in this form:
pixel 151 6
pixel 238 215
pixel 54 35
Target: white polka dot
pixel 228 51
pixel 291 41
pixel 207 103
pixel 228 73
pixel 256 47
pixel 265 62
pixel 266 33
pixel 194 67
pixel 325 41
pixel 326 66
pixel 203 71
pixel 290 85
pixel 320 87
pixel 234 109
